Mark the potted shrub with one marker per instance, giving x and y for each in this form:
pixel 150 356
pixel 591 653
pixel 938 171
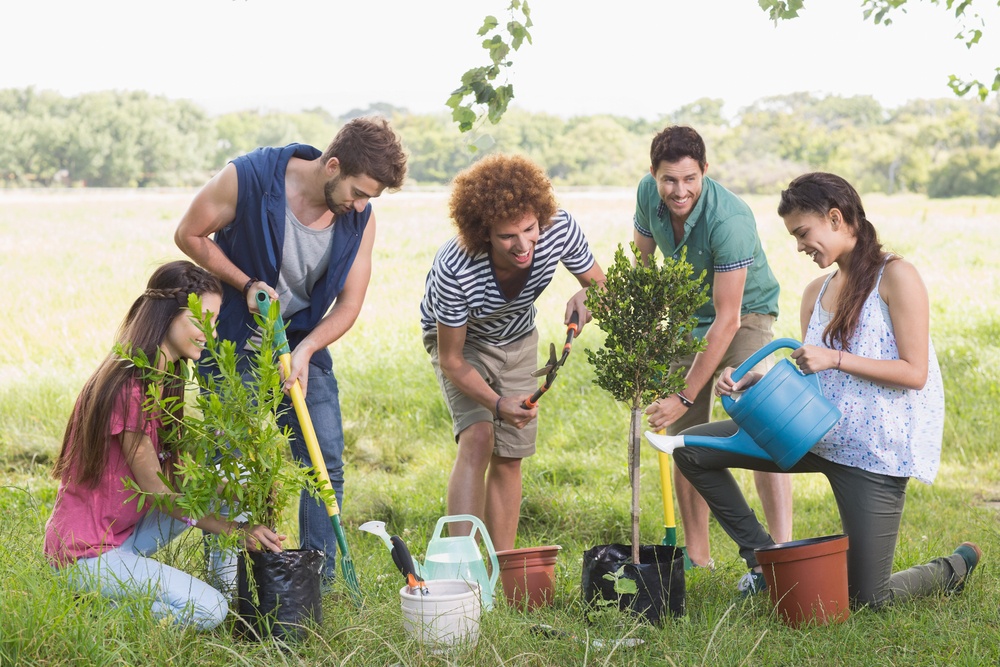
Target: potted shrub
pixel 229 454
pixel 646 311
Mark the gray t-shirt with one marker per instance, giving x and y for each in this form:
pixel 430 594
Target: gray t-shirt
pixel 305 257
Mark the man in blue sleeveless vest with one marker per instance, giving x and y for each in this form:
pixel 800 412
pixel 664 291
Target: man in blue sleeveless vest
pixel 678 206
pixel 298 223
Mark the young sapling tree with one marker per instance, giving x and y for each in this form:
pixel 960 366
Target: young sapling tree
pixel 646 311
pixel 227 450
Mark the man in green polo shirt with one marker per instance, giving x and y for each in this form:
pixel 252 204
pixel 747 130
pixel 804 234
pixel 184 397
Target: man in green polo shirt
pixel 678 206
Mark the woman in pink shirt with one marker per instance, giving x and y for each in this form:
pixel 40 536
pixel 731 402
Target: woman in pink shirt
pixel 95 536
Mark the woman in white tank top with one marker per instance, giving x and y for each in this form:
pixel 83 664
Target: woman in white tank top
pixel 866 333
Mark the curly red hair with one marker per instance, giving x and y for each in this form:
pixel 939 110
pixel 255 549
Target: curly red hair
pixel 495 190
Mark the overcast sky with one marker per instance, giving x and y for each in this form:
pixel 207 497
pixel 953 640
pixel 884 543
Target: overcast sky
pixel 638 58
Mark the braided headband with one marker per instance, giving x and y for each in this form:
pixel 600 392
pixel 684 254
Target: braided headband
pixel 174 293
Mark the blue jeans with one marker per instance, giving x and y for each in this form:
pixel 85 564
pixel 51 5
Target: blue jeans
pixel 127 571
pixel 323 402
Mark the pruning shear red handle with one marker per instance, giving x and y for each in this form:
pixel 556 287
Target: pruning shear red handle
pixel 552 367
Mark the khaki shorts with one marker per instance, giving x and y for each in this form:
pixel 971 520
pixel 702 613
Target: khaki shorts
pixel 755 332
pixel 507 369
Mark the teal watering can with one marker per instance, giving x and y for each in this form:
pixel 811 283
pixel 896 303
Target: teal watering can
pixel 458 557
pixel 780 417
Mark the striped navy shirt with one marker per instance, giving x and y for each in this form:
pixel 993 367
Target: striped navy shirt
pixel 462 290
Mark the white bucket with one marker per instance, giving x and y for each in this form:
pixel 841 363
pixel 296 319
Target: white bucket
pixel 448 614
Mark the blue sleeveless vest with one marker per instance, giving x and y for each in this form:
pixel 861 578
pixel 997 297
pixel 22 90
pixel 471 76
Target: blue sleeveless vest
pixel 254 239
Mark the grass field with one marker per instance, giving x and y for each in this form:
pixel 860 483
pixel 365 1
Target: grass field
pixel 72 262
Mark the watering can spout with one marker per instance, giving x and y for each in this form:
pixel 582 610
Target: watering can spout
pixel 738 443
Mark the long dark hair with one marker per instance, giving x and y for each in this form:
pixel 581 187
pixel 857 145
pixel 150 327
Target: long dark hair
pixel 818 193
pixel 87 437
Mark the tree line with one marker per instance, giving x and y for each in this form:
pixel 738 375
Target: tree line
pixel 941 147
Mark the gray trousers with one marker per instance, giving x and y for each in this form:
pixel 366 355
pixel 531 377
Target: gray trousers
pixel 871 506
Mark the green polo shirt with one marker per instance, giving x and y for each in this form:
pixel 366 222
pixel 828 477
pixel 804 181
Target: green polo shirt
pixel 720 235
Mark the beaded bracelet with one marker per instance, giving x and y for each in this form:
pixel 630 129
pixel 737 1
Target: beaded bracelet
pixel 191 523
pixel 684 400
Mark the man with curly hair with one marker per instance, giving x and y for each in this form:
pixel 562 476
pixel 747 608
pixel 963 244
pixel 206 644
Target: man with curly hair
pixel 478 322
pixel 678 206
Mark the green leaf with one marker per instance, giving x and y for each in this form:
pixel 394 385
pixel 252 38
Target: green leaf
pixel 465 117
pixel 473 75
pixel 778 10
pixel 484 95
pixel 489 23
pixel 625 586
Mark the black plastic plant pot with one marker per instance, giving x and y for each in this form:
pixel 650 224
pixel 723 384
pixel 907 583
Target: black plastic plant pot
pixel 659 579
pixel 288 593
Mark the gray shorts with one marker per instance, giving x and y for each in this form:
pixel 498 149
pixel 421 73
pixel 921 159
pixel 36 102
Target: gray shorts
pixel 507 369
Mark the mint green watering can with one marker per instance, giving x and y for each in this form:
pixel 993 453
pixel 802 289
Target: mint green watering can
pixel 459 557
pixel 780 417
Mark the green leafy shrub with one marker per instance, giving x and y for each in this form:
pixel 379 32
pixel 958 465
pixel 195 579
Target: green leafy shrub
pixel 647 312
pixel 228 449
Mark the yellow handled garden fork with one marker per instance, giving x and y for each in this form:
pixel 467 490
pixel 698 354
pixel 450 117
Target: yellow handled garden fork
pixel 312 445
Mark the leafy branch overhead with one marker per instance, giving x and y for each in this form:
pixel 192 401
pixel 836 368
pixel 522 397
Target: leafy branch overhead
pixel 880 12
pixel 647 312
pixel 478 87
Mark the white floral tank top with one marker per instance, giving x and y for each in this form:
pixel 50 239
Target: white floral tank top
pixel 884 430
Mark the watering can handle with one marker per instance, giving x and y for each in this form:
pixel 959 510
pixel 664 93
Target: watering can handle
pixel 758 356
pixel 477 524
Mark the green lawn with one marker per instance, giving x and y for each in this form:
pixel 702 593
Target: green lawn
pixel 71 264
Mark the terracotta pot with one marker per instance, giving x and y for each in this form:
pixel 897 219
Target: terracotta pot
pixel 807 579
pixel 528 575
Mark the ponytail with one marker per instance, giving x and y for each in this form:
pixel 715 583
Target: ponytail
pixel 819 193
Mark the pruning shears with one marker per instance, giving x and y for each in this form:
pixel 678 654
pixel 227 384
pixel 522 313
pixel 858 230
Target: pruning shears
pixel 550 369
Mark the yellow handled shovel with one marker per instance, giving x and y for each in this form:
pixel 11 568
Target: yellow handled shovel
pixel 666 485
pixel 669 521
pixel 312 445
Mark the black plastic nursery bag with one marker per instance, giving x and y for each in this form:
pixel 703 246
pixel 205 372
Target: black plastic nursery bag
pixel 288 589
pixel 659 579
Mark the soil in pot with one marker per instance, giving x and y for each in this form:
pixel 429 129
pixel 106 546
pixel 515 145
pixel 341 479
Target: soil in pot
pixel 807 579
pixel 659 579
pixel 288 590
pixel 528 575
